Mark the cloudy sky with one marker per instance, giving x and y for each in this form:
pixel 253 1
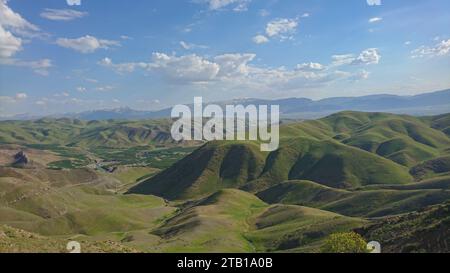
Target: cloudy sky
pixel 75 55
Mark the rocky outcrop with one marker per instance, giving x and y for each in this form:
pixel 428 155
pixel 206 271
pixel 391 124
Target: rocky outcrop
pixel 21 159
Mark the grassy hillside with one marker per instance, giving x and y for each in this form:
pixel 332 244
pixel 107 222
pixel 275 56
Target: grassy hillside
pixel 351 170
pixel 302 192
pixel 371 201
pixel 432 168
pixel 330 163
pixel 216 224
pixel 403 139
pixel 231 165
pixel 235 221
pixel 64 202
pixel 111 133
pixel 214 166
pixel 296 229
pixel 427 230
pixel 13 240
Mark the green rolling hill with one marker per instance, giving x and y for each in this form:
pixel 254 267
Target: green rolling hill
pixel 86 134
pixel 371 201
pixel 349 171
pixel 424 231
pixel 212 167
pixel 288 228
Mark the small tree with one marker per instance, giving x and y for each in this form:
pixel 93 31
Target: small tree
pixel 345 242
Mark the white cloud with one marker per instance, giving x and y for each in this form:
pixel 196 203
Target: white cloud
pixel 189 46
pixel 81 89
pixel 21 96
pixel 187 68
pixel 305 15
pixel 9 44
pixel 86 44
pixel 440 49
pixel 343 59
pixel 122 67
pixel 281 27
pixel 361 75
pixel 62 94
pixel 62 14
pixel 373 2
pixel 73 2
pixel 14 21
pixel 7 100
pixel 407 43
pixel 236 70
pixel 375 19
pixel 105 88
pixel 233 65
pixel 366 57
pixel 260 39
pixel 39 67
pixel 238 5
pixel 310 67
pixel 13 25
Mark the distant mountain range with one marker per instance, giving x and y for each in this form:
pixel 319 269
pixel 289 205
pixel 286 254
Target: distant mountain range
pixel 298 108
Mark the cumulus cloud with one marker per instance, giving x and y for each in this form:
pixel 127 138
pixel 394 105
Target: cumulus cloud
pixel 122 67
pixel 81 89
pixel 39 67
pixel 235 70
pixel 342 59
pixel 189 46
pixel 9 44
pixel 21 96
pixel 310 67
pixel 62 14
pixel 440 49
pixel 14 21
pixel 12 27
pixel 86 44
pixel 360 75
pixel 260 39
pixel 281 27
pixel 8 100
pixel 234 65
pixel 373 2
pixel 375 19
pixel 366 57
pixel 237 5
pixel 187 68
pixel 73 2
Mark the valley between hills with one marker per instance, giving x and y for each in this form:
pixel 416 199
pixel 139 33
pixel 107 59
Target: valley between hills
pixel 126 186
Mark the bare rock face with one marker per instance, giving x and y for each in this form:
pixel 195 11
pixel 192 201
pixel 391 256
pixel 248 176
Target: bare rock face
pixel 20 159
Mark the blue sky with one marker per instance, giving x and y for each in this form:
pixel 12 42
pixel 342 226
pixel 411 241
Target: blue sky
pixel 76 55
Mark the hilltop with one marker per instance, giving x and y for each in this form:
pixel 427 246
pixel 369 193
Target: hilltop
pixel 343 151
